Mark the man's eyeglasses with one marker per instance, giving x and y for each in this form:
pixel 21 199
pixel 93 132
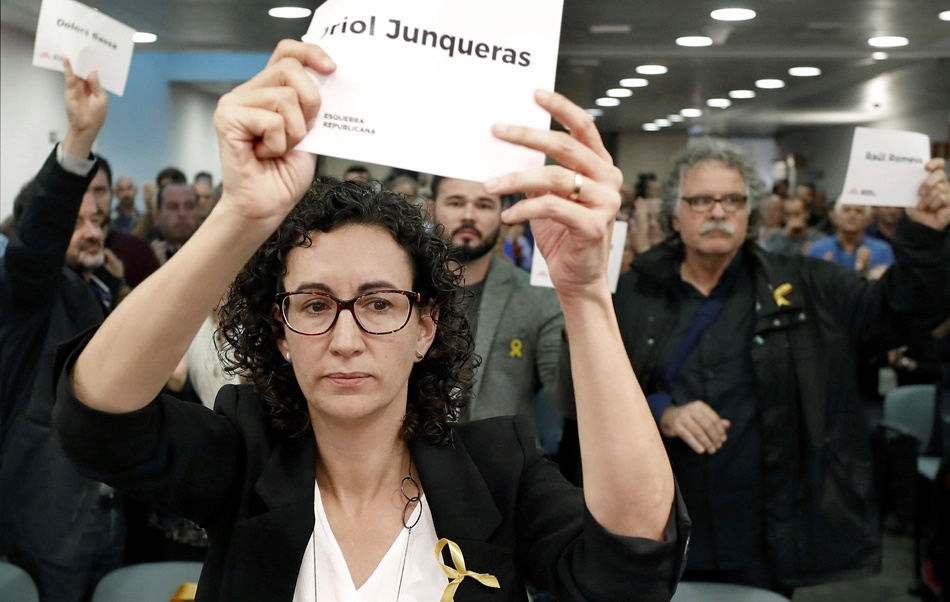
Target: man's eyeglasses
pixel 378 312
pixel 703 203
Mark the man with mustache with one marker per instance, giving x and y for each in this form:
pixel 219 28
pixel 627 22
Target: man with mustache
pixel 65 530
pixel 517 327
pixel 749 362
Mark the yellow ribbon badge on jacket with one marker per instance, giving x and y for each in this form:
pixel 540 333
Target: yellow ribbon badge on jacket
pixel 458 573
pixel 186 592
pixel 516 346
pixel 780 293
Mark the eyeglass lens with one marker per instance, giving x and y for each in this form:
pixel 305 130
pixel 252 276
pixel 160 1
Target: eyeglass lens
pixel 704 202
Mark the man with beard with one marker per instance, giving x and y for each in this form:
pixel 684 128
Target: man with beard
pixel 517 326
pixel 176 218
pixel 65 530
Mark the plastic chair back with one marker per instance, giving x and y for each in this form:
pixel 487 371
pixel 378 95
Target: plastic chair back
pixel 912 407
pixel 16 584
pixel 147 582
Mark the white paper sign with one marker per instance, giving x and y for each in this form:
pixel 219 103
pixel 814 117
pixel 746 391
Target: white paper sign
pixel 90 40
pixel 539 267
pixel 886 168
pixel 419 83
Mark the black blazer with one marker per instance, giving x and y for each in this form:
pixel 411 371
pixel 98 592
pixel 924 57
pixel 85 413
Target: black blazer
pixel 491 492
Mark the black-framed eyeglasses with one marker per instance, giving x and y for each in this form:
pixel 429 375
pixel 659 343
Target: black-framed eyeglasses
pixel 703 203
pixel 378 312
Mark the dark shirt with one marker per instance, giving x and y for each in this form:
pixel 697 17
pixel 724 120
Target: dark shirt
pixel 472 301
pixel 723 491
pixel 875 232
pixel 136 254
pixel 122 222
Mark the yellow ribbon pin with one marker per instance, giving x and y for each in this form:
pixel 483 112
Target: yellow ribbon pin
pixel 780 293
pixel 458 573
pixel 516 346
pixel 186 592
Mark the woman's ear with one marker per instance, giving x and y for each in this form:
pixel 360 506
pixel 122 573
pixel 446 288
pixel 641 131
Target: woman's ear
pixel 428 325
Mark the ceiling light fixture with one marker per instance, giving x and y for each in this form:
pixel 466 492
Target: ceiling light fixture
pixel 619 93
pixel 694 41
pixel 691 112
pixel 741 94
pixel 607 102
pixel 143 37
pixel 719 103
pixel 651 127
pixel 611 28
pixel 289 12
pixel 676 118
pixel 595 112
pixel 804 71
pixel 663 123
pixel 888 41
pixel 769 84
pixel 651 69
pixel 944 16
pixel 634 82
pixel 879 56
pixel 732 14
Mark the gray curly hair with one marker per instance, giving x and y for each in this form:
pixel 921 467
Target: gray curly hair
pixel 704 150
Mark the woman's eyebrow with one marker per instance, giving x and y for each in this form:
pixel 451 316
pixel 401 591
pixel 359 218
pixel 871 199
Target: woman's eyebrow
pixel 366 286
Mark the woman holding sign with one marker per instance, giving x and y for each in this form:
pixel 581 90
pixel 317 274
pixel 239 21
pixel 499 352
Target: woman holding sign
pixel 340 474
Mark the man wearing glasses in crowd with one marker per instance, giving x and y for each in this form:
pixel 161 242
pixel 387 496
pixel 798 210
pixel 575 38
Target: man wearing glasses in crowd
pixel 748 360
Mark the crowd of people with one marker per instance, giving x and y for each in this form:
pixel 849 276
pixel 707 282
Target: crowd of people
pixel 307 383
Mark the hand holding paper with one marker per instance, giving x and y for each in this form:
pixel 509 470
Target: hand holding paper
pixel 934 207
pixel 258 125
pixel 572 205
pixel 86 107
pixel 92 40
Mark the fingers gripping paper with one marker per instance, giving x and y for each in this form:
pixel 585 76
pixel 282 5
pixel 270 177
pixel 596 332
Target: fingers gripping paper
pixel 419 83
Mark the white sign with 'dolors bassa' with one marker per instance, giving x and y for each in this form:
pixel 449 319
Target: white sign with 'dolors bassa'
pixel 91 40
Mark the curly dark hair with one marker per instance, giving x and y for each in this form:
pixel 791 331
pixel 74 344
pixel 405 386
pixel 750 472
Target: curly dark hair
pixel 439 385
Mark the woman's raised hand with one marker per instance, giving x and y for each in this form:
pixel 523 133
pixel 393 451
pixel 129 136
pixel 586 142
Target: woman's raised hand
pixel 571 206
pixel 259 123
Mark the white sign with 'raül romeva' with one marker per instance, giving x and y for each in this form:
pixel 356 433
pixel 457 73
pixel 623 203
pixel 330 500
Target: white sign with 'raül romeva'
pixel 91 40
pixel 886 168
pixel 419 83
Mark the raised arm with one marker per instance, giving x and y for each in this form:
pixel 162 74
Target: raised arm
pixel 51 202
pixel 628 482
pixel 138 347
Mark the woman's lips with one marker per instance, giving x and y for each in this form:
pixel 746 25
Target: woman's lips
pixel 348 379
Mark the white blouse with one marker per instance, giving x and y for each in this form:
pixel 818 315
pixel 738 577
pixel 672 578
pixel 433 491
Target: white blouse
pixel 326 576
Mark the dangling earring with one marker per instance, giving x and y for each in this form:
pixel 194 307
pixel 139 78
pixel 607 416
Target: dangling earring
pixel 419 355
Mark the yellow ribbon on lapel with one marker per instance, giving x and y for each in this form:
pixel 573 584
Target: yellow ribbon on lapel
pixel 186 592
pixel 516 346
pixel 459 572
pixel 780 293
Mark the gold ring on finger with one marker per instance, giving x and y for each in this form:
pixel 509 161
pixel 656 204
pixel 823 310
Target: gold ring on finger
pixel 578 182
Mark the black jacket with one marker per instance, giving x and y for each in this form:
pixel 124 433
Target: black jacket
pixel 43 500
pixel 821 521
pixel 490 491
